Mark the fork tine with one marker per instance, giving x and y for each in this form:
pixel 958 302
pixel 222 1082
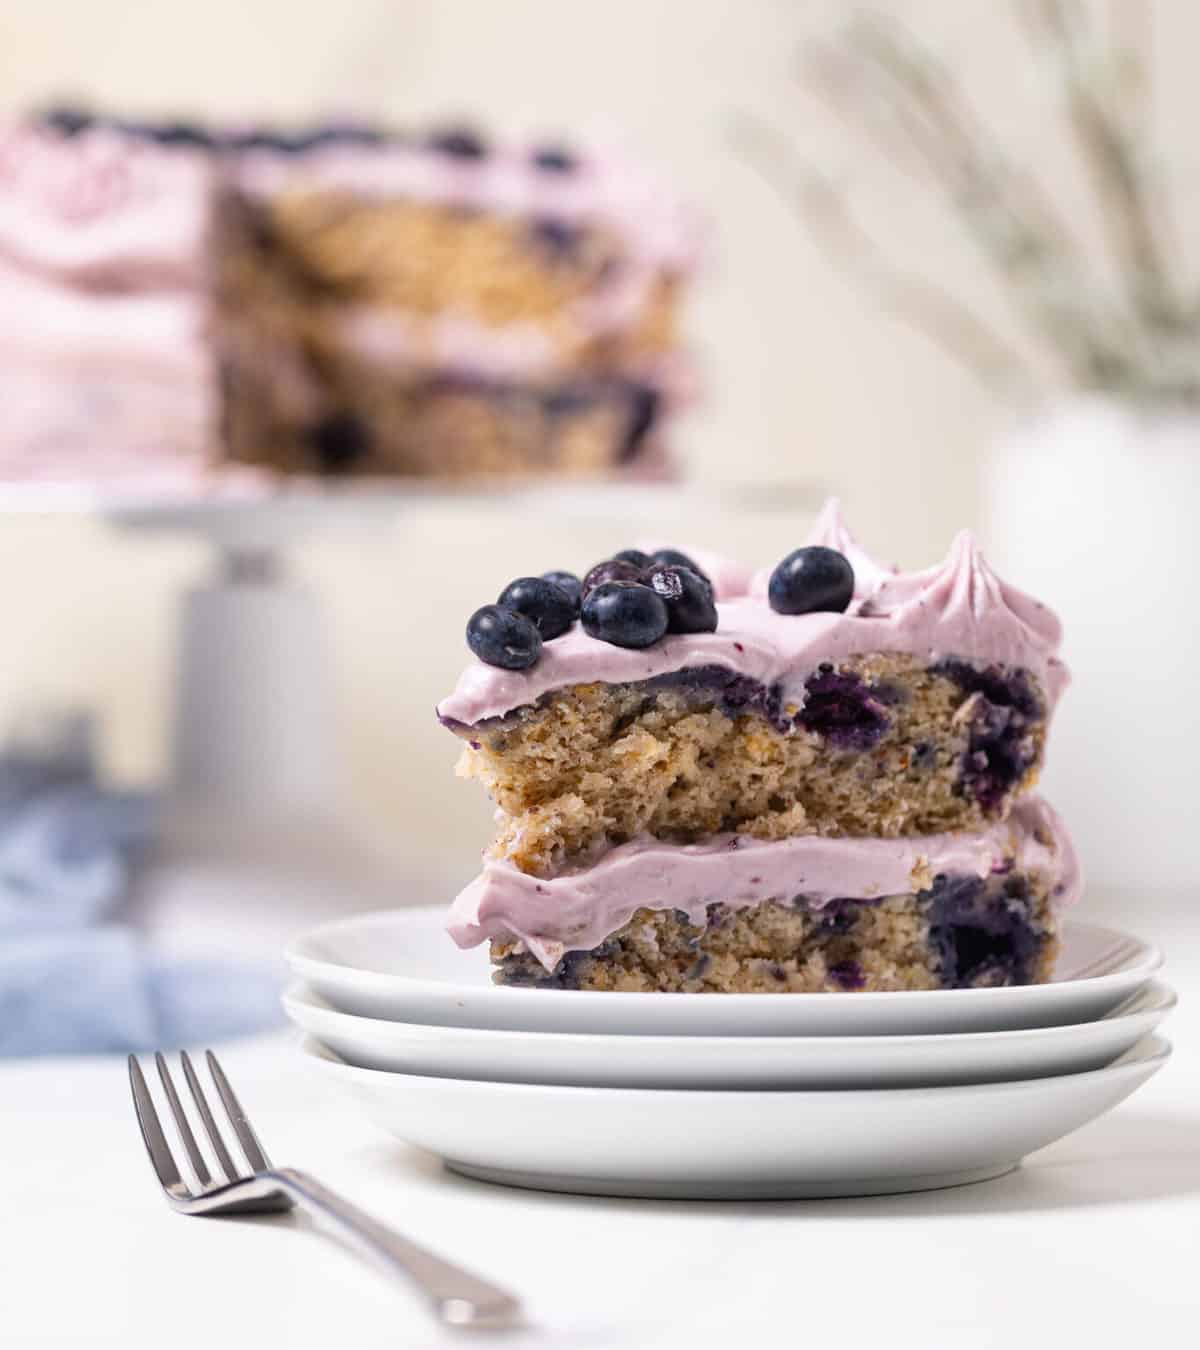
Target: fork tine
pixel 224 1161
pixel 181 1120
pixel 157 1147
pixel 255 1156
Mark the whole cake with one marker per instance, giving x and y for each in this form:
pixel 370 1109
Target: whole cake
pixel 345 300
pixel 819 777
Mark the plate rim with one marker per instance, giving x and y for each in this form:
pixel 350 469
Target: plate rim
pixel 1166 999
pixel 1146 962
pixel 1150 1053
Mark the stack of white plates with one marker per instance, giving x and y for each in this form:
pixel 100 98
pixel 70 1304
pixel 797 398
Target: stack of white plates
pixel 720 1095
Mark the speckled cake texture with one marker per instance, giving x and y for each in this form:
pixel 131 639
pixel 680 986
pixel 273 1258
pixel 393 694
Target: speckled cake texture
pixel 662 811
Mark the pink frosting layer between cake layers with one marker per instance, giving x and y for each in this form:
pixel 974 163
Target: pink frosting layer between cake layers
pixel 960 609
pixel 578 910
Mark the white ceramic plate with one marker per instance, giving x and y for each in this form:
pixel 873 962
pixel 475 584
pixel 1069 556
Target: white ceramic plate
pixel 597 1060
pixel 766 1145
pixel 400 966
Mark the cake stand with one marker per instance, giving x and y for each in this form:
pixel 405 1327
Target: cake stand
pixel 256 803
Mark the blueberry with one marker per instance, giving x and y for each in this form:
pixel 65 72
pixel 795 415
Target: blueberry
pixel 556 237
pixel 688 597
pixel 811 579
pixel 263 138
pixel 612 569
pixel 345 133
pixel 68 120
pixel 459 143
pixel 569 582
pixel 677 559
pixel 625 614
pixel 502 637
pixel 554 159
pixel 842 709
pixel 634 556
pixel 177 133
pixel 547 606
pixel 340 441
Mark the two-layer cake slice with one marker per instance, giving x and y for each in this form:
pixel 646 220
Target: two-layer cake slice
pixel 805 798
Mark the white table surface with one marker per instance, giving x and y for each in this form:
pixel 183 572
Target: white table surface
pixel 1094 1242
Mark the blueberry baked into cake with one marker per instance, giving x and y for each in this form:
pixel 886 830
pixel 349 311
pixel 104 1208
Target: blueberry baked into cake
pixel 816 778
pixel 342 300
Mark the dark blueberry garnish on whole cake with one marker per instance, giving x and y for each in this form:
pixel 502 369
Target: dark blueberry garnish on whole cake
pixel 687 595
pixel 570 583
pixel 812 580
pixel 547 606
pixel 502 637
pixel 68 119
pixel 554 159
pixel 612 569
pixel 842 709
pixel 185 134
pixel 263 138
pixel 677 559
pixel 634 556
pixel 459 143
pixel 339 442
pixel 345 133
pixel 624 614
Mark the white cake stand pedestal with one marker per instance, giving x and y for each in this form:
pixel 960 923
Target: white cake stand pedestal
pixel 257 822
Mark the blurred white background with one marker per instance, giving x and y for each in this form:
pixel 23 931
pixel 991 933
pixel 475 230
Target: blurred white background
pixel 807 382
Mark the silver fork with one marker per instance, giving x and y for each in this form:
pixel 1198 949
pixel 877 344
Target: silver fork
pixel 458 1297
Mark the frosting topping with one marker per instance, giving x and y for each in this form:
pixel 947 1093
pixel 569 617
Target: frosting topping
pixel 103 209
pixel 958 609
pixel 577 910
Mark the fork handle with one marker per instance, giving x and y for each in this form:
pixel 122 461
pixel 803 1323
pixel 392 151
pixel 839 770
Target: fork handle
pixel 458 1296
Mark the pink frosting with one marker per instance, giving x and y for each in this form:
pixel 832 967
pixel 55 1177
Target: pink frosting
pixel 384 336
pixel 958 609
pixel 831 531
pixel 103 209
pixel 659 229
pixel 577 910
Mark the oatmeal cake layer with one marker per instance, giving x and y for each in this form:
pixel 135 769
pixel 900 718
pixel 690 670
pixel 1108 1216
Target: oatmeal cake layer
pixel 923 708
pixel 963 933
pixel 579 910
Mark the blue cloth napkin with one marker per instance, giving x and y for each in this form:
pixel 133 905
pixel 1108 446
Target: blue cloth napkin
pixel 73 978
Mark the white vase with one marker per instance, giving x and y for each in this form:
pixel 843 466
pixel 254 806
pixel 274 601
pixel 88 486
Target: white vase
pixel 1094 507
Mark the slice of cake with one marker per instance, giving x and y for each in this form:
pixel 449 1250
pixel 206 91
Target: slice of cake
pixel 817 777
pixel 342 301
pixel 804 914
